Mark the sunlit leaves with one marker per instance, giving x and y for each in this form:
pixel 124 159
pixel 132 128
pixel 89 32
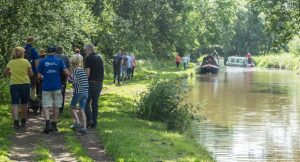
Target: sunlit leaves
pixel 282 17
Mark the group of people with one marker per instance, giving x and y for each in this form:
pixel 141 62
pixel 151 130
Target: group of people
pixel 185 60
pixel 123 66
pixel 47 75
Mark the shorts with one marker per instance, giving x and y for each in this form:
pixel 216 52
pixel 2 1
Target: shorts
pixel 79 98
pixel 19 92
pixel 52 99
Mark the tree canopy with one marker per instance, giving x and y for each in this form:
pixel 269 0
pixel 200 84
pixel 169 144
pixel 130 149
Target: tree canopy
pixel 153 29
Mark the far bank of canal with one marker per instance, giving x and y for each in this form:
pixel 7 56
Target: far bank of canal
pixel 252 114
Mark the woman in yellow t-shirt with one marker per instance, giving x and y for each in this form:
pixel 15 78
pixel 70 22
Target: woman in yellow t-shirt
pixel 19 70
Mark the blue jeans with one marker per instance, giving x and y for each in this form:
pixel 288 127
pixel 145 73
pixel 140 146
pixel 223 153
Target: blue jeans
pixel 128 73
pixel 79 98
pixel 92 101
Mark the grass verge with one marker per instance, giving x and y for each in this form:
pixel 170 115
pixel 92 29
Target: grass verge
pixel 128 138
pixel 6 132
pixel 43 154
pixel 72 142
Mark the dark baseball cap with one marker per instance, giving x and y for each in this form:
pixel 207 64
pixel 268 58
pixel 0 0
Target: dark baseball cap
pixel 51 49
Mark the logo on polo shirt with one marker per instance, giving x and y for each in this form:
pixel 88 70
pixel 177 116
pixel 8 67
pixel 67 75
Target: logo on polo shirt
pixel 50 63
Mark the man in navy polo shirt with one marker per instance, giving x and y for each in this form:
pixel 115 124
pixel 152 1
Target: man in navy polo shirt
pixel 59 54
pixel 50 69
pixel 95 71
pixel 32 56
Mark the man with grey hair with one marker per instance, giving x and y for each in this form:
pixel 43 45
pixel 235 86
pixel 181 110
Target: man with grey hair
pixel 95 71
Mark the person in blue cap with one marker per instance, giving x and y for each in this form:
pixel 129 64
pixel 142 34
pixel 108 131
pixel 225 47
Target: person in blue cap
pixel 32 55
pixel 60 54
pixel 49 70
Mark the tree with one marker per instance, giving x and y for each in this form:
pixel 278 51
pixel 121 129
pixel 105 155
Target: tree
pixel 64 22
pixel 282 18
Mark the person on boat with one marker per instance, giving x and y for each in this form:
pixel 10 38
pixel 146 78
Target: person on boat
pixel 249 57
pixel 177 60
pixel 209 60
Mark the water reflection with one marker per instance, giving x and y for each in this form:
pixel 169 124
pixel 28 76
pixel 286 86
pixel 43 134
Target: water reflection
pixel 251 114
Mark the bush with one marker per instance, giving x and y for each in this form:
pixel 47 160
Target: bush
pixel 164 102
pixel 286 61
pixel 4 93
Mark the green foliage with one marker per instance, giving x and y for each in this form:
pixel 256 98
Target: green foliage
pixel 43 154
pixel 66 23
pixel 282 18
pixel 250 35
pixel 128 138
pixel 164 102
pixel 294 45
pixel 281 61
pixel 150 29
pixel 6 132
pixel 4 93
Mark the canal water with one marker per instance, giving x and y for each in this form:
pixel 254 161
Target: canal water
pixel 251 114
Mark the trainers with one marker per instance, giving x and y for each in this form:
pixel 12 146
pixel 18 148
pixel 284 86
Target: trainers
pixel 75 126
pixel 82 131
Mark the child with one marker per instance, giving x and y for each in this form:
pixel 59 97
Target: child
pixel 80 94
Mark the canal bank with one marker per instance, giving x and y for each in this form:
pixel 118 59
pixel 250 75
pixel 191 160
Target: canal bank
pixel 128 138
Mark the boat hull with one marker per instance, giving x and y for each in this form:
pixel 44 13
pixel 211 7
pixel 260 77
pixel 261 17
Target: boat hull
pixel 205 69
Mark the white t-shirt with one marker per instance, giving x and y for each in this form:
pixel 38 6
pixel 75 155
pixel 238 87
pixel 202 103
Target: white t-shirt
pixel 185 59
pixel 80 58
pixel 129 61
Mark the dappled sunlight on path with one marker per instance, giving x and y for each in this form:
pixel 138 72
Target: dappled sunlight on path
pixel 93 146
pixel 26 142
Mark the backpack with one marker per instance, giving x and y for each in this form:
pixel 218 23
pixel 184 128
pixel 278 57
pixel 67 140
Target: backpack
pixel 117 60
pixel 125 60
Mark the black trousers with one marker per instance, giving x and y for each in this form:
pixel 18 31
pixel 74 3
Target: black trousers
pixel 63 92
pixel 117 73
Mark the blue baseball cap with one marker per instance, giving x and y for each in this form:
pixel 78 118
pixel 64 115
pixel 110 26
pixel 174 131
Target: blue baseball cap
pixel 51 49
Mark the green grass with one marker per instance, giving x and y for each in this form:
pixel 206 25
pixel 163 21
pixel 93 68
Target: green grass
pixel 6 131
pixel 43 154
pixel 286 61
pixel 128 138
pixel 72 142
pixel 124 136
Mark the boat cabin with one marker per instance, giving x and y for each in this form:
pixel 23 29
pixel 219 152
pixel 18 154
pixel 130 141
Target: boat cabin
pixel 239 61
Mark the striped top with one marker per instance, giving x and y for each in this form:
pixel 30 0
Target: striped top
pixel 80 81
